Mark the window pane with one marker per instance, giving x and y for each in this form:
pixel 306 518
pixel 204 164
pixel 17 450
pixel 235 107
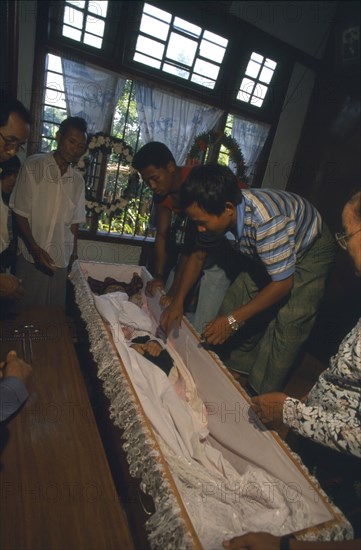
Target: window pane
pixel 189 28
pixel 253 69
pixel 202 81
pixel 243 96
pixel 266 75
pixel 184 45
pixel 95 26
pixel 260 91
pixel 206 69
pixel 181 49
pixel 54 63
pixel 271 64
pixel 211 51
pixel 149 46
pixel 257 57
pixel 256 101
pixel 55 96
pixel 172 69
pixel 92 40
pixel 73 17
pixel 147 60
pixel 153 27
pixel 77 3
pixel 160 14
pixel 99 8
pixel 215 38
pixel 69 32
pixel 247 85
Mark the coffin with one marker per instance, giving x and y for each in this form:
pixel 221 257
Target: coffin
pixel 227 477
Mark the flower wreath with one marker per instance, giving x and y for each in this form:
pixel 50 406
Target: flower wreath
pixel 203 141
pixel 101 142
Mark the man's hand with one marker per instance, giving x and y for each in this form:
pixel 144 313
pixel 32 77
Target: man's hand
pixel 165 300
pixel 43 259
pixel 13 366
pixel 217 331
pixel 253 541
pixel 153 285
pixel 173 313
pixel 269 407
pixel 10 287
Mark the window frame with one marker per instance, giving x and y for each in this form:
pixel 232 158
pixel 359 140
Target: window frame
pixel 121 28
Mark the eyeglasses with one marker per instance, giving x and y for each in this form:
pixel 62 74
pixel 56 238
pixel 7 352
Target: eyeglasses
pixel 10 145
pixel 342 238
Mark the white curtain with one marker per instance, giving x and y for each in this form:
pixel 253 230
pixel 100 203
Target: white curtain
pixel 172 120
pixel 92 94
pixel 251 136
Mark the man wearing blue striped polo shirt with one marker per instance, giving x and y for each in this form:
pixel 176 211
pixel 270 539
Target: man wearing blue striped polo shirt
pixel 270 309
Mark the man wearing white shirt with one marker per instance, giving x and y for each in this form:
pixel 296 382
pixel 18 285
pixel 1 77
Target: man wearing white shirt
pixel 49 203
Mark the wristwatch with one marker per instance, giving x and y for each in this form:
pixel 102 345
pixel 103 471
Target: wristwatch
pixel 233 323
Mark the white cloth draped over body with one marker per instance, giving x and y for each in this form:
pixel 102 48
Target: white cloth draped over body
pixel 221 502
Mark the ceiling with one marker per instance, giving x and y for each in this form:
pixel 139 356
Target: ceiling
pixel 303 25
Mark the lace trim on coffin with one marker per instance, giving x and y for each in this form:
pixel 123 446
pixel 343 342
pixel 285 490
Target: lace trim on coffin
pixel 166 527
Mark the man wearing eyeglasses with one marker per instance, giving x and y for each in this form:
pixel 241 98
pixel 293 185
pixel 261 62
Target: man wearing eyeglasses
pixel 15 122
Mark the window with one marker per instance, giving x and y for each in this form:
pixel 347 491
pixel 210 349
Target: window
pixel 84 21
pixel 176 46
pixel 54 107
pixel 258 75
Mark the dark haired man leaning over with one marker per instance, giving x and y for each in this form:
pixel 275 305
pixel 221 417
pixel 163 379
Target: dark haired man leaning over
pixel 49 203
pixel 271 307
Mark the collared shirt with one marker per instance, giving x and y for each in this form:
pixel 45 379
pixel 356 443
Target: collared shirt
pixel 52 203
pixel 276 228
pixel 331 414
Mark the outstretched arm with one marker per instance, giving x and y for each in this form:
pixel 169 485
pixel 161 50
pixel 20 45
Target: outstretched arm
pixel 163 217
pixel 40 256
pixel 218 331
pixel 191 272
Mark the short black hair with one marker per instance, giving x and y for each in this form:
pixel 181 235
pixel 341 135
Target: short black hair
pixel 8 105
pixel 10 166
pixel 76 122
pixel 153 153
pixel 210 186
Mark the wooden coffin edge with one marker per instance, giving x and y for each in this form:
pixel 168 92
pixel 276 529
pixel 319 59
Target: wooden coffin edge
pixel 83 295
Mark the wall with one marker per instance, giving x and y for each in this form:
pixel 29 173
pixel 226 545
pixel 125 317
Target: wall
pixel 113 253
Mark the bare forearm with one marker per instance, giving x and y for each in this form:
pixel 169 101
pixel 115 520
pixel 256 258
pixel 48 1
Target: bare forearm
pixel 179 273
pixel 189 275
pixel 160 256
pixel 26 233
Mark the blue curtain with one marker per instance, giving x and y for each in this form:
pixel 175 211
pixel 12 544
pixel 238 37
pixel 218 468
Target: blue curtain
pixel 174 121
pixel 91 94
pixel 251 137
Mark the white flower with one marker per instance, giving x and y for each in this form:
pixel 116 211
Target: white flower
pixel 92 144
pixel 118 148
pixel 98 209
pixel 126 151
pixel 101 140
pixel 81 164
pixel 129 158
